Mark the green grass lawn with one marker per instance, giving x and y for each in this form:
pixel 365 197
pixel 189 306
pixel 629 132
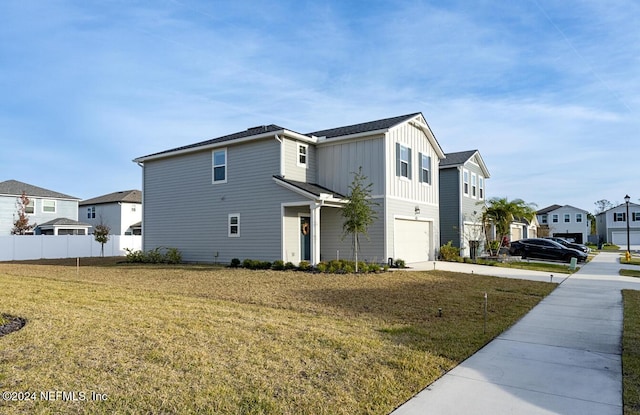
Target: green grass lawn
pixel 630 272
pixel 199 339
pixel 631 353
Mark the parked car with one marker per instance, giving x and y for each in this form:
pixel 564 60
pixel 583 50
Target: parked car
pixel 541 248
pixel 569 244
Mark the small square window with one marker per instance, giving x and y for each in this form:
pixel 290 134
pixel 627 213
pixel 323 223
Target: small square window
pixel 234 225
pixel 49 206
pixel 30 209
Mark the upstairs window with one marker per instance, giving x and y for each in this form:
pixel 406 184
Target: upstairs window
pixel 578 217
pixel 619 217
pixel 635 216
pixel 567 218
pixel 554 218
pixel 234 225
pixel 302 154
pixel 30 209
pixel 545 219
pixel 91 212
pixel 465 182
pixel 474 185
pixel 403 161
pixel 481 187
pixel 425 168
pixel 220 166
pixel 49 206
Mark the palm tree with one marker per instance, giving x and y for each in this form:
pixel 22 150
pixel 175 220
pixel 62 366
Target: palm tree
pixel 500 212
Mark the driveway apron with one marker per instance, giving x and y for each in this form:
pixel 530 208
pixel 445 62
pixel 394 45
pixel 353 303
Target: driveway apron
pixel 563 357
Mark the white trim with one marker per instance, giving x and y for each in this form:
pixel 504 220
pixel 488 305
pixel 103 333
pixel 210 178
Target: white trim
pixel 213 165
pixel 474 185
pixel 468 182
pixel 229 225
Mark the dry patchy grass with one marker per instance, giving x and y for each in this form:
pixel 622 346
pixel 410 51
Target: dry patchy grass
pixel 631 353
pixel 197 339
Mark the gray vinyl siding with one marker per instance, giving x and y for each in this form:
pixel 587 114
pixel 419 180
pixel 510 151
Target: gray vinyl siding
pixel 338 161
pixel 9 212
pixel 183 209
pixel 450 206
pixel 108 214
pixel 331 242
pixel 402 209
pixel 292 170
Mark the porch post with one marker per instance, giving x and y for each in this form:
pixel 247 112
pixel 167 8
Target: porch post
pixel 315 233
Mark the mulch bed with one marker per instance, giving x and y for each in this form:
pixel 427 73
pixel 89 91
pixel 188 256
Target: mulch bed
pixel 14 324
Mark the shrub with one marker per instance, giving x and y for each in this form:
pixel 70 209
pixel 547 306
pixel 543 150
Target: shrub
pixel 399 263
pixel 172 256
pixel 348 268
pixel 235 263
pixel 264 265
pixel 304 266
pixel 449 252
pixel 278 265
pixel 158 255
pixel 248 263
pixel 289 265
pixel 322 267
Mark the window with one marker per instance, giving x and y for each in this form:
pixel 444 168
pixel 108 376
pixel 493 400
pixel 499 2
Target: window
pixel 619 217
pixel 425 168
pixel 91 212
pixel 554 218
pixel 302 154
pixel 234 225
pixel 30 209
pixel 545 219
pixel 465 182
pixel 578 217
pixel 220 166
pixel 49 206
pixel 567 218
pixel 474 185
pixel 481 186
pixel 403 161
pixel 635 216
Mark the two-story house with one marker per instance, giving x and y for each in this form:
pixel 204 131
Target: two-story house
pixel 611 225
pixel 271 193
pixel 120 211
pixel 565 222
pixel 463 178
pixel 54 213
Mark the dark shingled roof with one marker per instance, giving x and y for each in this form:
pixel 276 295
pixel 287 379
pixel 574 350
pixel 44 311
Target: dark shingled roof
pixel 63 222
pixel 456 159
pixel 548 209
pixel 242 134
pixel 363 127
pixel 14 187
pixel 129 196
pixel 314 189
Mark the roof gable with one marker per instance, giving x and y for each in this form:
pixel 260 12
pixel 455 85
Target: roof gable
pixel 556 207
pixel 460 158
pixel 15 188
pixel 364 127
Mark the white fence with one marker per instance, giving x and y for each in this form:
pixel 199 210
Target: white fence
pixel 15 247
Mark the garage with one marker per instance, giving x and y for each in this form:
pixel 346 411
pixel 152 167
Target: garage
pixel 620 238
pixel 411 240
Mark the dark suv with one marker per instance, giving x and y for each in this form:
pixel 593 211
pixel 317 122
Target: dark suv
pixel 541 248
pixel 568 244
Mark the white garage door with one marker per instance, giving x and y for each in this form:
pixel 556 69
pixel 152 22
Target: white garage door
pixel 620 238
pixel 411 240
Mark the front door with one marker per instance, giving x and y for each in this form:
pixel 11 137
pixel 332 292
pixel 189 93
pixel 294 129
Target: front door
pixel 305 238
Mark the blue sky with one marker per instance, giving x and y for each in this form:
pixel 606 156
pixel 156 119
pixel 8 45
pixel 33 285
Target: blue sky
pixel 547 90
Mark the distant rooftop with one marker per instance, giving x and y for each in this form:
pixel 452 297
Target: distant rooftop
pixel 128 196
pixel 16 188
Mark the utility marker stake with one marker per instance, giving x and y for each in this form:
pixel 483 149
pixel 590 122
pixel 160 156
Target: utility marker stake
pixel 77 266
pixel 551 277
pixel 485 313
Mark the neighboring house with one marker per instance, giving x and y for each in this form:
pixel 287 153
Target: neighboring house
pixel 611 225
pixel 120 211
pixel 565 222
pixel 271 193
pixel 522 228
pixel 55 213
pixel 462 193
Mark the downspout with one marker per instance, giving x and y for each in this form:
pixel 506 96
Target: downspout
pixel 141 165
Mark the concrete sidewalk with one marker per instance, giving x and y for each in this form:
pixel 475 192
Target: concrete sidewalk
pixel 563 357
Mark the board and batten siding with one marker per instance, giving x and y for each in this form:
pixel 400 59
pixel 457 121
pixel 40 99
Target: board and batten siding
pixel 411 189
pixel 338 161
pixel 185 210
pixel 450 194
pixel 292 169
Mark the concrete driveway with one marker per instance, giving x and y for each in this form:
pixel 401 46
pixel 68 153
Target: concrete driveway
pixel 563 357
